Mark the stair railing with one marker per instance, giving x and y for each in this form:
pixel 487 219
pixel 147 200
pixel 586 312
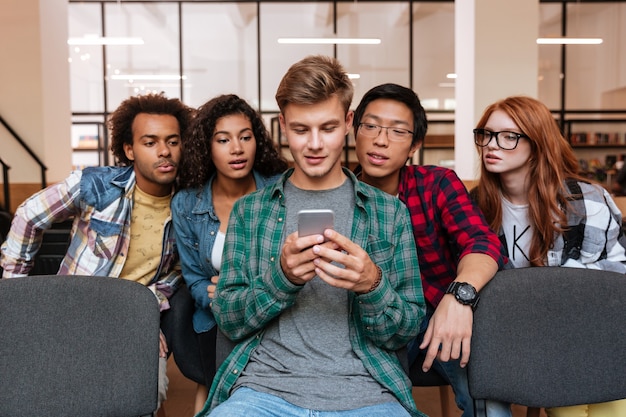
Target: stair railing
pixel 6 167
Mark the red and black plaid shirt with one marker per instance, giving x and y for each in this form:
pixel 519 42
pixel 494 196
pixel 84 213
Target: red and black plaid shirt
pixel 447 225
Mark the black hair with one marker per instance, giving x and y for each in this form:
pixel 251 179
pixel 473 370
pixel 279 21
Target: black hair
pixel 197 165
pixel 121 121
pixel 403 95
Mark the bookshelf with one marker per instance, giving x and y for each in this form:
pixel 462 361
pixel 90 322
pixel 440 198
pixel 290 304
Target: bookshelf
pixel 598 139
pixel 598 133
pixel 438 146
pixel 88 144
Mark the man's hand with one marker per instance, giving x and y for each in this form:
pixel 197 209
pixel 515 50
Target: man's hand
pixel 359 272
pixel 296 257
pixel 449 332
pixel 162 345
pixel 211 287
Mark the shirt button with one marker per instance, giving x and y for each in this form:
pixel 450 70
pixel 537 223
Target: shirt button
pixel 280 219
pixel 235 371
pixel 272 259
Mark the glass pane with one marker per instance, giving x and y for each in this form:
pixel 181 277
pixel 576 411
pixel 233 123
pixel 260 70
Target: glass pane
pixel 86 78
pixel 433 56
pixel 375 64
pixel 151 67
pixel 220 52
pixel 549 75
pixel 289 20
pixel 595 73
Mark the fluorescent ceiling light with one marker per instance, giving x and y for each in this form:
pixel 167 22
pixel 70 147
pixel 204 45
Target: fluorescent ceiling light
pixel 327 41
pixel 107 40
pixel 153 86
pixel 569 41
pixel 148 77
pixel 451 76
pixel 354 76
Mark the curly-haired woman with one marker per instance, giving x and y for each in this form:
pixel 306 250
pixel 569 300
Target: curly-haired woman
pixel 229 153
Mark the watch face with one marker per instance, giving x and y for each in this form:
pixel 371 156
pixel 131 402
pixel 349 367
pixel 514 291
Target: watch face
pixel 466 293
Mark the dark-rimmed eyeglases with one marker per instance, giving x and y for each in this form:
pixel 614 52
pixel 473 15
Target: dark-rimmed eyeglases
pixel 505 140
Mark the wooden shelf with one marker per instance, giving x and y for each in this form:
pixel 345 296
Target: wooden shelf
pixel 439 142
pixel 598 146
pixel 86 150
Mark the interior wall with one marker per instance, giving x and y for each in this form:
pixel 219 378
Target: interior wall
pixel 34 88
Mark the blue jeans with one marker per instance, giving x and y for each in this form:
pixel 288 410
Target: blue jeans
pixel 498 409
pixel 248 402
pixel 456 377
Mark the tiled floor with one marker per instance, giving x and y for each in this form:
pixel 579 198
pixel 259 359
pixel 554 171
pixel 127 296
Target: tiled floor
pixel 181 394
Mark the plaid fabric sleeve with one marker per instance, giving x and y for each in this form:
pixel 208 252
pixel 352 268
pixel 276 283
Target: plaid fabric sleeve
pixel 252 289
pixel 391 313
pixel 50 205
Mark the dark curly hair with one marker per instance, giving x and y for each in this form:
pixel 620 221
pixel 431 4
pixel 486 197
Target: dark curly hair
pixel 121 121
pixel 197 165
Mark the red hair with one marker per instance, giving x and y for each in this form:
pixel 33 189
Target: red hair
pixel 552 161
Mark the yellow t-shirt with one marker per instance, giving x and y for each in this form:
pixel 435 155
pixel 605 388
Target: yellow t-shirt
pixel 146 236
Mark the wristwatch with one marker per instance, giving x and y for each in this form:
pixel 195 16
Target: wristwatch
pixel 464 293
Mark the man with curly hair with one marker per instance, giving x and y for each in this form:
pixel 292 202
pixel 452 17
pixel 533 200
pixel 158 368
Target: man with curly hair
pixel 121 215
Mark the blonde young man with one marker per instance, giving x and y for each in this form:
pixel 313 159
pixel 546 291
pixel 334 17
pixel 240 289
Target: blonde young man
pixel 317 318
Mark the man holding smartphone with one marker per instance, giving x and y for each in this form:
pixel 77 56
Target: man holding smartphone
pixel 317 318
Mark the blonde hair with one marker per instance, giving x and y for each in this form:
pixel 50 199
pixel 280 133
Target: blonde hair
pixel 552 162
pixel 312 80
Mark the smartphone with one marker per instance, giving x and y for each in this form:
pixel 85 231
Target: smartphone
pixel 314 222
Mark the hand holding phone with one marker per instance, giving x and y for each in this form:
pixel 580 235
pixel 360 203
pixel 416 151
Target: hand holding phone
pixel 314 222
pixel 297 261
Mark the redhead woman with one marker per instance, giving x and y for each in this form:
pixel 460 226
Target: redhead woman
pixel 531 192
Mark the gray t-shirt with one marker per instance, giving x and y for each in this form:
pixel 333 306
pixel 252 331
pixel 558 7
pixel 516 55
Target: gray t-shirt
pixel 305 356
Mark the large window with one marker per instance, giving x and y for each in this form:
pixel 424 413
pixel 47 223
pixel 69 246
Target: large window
pixel 220 51
pixel 153 66
pixel 86 65
pixel 196 50
pixel 594 75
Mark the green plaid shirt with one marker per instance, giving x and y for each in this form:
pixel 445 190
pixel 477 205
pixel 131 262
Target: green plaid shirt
pixel 253 289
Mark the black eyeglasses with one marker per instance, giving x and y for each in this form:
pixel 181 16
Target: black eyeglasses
pixel 505 139
pixel 396 134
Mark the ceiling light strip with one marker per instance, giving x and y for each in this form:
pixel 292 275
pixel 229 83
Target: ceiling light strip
pixel 569 41
pixel 108 40
pixel 330 41
pixel 147 77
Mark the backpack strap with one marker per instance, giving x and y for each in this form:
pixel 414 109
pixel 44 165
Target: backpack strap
pixel 575 233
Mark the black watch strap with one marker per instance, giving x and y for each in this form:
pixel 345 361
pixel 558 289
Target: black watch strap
pixel 464 293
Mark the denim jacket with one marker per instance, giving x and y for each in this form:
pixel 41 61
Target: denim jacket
pixel 196 226
pixel 100 199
